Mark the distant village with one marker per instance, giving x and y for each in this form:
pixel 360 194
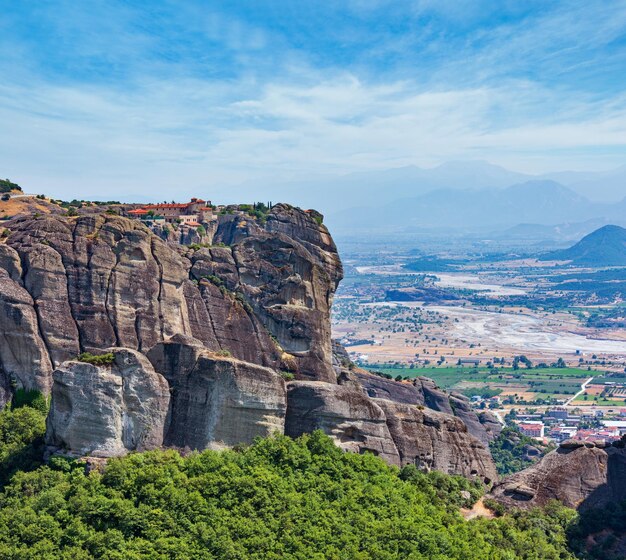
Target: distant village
pixel 558 424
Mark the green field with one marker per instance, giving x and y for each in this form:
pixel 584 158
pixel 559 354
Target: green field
pixel 600 401
pixel 544 382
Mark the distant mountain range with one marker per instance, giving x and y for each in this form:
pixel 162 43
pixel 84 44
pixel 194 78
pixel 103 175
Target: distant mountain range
pixel 542 202
pixel 604 247
pixel 559 233
pixel 380 187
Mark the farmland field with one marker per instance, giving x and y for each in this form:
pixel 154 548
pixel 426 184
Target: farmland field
pixel 537 383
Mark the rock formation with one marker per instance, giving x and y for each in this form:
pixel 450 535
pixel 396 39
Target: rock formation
pixel 217 401
pixel 71 285
pixel 203 338
pixel 108 410
pixel 423 391
pixel 354 421
pixel 397 427
pixel 579 474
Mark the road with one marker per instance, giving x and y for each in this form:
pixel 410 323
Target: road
pixel 582 390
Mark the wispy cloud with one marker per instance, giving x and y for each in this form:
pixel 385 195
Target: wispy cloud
pixel 110 98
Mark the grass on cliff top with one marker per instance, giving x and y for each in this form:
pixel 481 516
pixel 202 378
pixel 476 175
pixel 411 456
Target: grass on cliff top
pixel 96 360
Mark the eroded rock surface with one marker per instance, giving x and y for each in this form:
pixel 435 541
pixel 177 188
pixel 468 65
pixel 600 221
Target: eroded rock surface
pixel 217 401
pixel 70 285
pixel 107 411
pixel 578 474
pixel 401 433
pixel 435 440
pixel 423 391
pixel 353 420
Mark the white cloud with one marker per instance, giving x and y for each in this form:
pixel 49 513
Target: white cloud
pixel 161 135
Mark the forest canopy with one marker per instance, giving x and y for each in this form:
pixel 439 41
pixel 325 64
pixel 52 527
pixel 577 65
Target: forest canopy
pixel 279 498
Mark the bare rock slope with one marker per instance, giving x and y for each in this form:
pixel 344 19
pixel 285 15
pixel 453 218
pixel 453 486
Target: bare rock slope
pixel 204 339
pixel 579 474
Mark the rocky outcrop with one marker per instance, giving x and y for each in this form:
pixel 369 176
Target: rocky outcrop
pixel 381 388
pixel 423 391
pixel 579 474
pixel 70 285
pixel 25 358
pixel 435 440
pixel 109 410
pixel 221 325
pixel 354 421
pixel 217 401
pixel 401 433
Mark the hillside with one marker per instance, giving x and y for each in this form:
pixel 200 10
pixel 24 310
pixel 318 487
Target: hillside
pixel 279 498
pixel 604 247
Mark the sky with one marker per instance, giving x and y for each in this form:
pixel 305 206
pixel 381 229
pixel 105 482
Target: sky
pixel 156 98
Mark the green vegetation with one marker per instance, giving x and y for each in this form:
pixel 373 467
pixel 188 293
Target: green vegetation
pixel 605 526
pixel 100 360
pixel 510 451
pixel 484 392
pixel 258 210
pixel 7 186
pixel 22 429
pixel 215 280
pixel 279 498
pixel 432 264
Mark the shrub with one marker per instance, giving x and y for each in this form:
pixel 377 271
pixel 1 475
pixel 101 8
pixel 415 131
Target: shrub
pixel 216 280
pixel 287 375
pixel 33 398
pixel 6 186
pixel 96 360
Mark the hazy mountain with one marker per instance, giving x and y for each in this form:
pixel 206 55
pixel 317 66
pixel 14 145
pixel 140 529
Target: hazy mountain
pixel 538 202
pixel 604 186
pixel 555 233
pixel 377 188
pixel 373 188
pixel 604 247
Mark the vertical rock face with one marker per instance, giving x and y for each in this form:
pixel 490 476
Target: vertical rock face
pixel 106 411
pixel 400 433
pixel 423 391
pixel 435 440
pixel 217 401
pixel 88 283
pixel 25 358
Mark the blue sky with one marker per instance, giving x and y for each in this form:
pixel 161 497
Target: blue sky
pixel 143 97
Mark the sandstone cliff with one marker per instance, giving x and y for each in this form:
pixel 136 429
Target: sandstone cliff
pixel 204 339
pixel 108 411
pixel 71 285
